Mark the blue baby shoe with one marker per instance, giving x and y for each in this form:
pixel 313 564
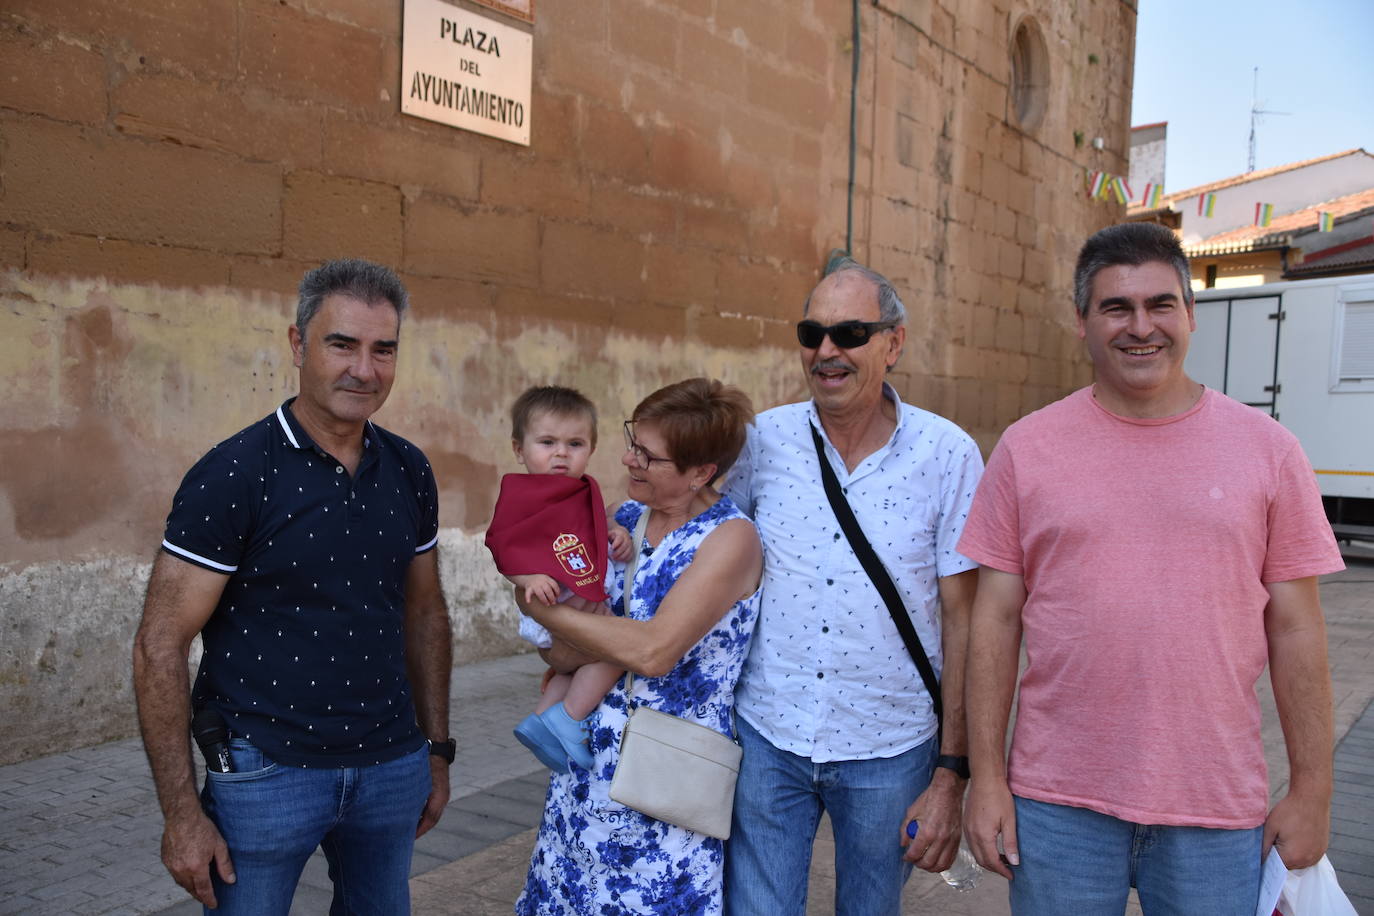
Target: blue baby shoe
pixel 535 735
pixel 570 733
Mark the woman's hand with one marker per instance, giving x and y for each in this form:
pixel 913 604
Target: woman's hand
pixel 563 658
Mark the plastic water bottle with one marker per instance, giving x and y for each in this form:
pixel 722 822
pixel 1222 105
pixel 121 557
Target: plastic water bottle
pixel 963 875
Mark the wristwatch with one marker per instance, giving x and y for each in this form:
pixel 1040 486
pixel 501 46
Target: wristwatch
pixel 958 764
pixel 445 749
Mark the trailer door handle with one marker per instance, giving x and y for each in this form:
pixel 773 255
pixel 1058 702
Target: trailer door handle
pixel 1276 389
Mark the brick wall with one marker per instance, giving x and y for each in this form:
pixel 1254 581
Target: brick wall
pixel 167 172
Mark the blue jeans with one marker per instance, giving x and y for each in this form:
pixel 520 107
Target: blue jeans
pixel 778 802
pixel 274 816
pixel 1078 861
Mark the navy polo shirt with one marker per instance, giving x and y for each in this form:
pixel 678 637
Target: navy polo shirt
pixel 305 653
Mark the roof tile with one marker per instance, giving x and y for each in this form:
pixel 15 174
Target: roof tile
pixel 1282 228
pixel 1255 176
pixel 1346 258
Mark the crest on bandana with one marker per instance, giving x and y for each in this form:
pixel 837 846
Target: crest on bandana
pixel 573 556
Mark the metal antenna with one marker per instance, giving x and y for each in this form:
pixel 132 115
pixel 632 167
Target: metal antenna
pixel 1255 114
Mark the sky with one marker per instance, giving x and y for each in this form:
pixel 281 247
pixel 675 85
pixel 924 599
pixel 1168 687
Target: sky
pixel 1194 67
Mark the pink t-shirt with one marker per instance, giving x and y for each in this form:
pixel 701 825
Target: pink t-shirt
pixel 1145 546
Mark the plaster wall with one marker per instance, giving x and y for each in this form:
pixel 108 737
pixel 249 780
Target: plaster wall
pixel 1149 146
pixel 1246 268
pixel 167 173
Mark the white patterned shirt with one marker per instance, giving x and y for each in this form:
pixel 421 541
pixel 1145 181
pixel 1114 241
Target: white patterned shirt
pixel 828 676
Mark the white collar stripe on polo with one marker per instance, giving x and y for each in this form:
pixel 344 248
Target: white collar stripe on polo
pixel 286 427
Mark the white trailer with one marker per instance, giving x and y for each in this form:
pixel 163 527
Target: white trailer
pixel 1302 350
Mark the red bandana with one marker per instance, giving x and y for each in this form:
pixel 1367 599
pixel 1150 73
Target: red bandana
pixel 551 524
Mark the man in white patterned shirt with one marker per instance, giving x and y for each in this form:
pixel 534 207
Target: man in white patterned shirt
pixel 832 711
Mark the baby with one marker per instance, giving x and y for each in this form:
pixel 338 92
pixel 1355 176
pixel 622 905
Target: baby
pixel 551 520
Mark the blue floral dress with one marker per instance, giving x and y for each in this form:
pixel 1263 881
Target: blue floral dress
pixel 595 856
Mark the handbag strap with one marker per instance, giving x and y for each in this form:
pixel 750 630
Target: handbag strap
pixel 868 559
pixel 630 568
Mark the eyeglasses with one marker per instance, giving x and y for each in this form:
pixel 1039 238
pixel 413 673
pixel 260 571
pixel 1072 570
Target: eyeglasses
pixel 643 457
pixel 847 334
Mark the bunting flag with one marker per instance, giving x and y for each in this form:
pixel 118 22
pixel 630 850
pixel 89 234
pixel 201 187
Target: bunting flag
pixel 1154 193
pixel 1121 189
pixel 1325 221
pixel 1264 214
pixel 1206 203
pixel 1097 182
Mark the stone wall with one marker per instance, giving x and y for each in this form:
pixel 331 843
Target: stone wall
pixel 168 172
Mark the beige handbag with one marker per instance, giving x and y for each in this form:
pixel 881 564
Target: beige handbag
pixel 671 769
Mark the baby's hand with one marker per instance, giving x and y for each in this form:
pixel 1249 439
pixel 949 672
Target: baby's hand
pixel 538 586
pixel 622 545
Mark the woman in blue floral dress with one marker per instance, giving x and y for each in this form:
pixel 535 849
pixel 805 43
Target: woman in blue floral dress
pixel 684 633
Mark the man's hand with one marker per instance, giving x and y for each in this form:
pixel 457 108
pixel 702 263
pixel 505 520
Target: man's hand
pixel 181 598
pixel 937 813
pixel 429 662
pixel 438 795
pixel 622 544
pixel 1300 824
pixel 991 815
pixel 189 845
pixel 1300 828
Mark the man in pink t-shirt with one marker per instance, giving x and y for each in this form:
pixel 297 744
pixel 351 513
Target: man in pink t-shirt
pixel 1156 543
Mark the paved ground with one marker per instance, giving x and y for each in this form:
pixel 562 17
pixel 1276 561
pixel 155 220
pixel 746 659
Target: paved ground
pixel 79 832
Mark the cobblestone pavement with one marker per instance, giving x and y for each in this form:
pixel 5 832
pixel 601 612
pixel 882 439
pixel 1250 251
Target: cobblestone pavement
pixel 80 832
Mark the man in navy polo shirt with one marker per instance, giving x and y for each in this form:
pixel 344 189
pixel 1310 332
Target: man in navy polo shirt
pixel 302 550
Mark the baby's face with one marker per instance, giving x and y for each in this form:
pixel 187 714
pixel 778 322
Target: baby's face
pixel 556 444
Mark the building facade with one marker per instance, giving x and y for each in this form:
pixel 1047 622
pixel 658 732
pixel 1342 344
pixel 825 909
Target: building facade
pixel 168 172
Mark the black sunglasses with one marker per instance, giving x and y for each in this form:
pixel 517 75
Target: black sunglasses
pixel 847 334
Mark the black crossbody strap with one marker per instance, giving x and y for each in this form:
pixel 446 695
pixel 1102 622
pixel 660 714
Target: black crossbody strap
pixel 868 559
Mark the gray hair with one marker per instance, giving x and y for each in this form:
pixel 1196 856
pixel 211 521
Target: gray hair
pixel 890 307
pixel 1130 245
pixel 353 277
